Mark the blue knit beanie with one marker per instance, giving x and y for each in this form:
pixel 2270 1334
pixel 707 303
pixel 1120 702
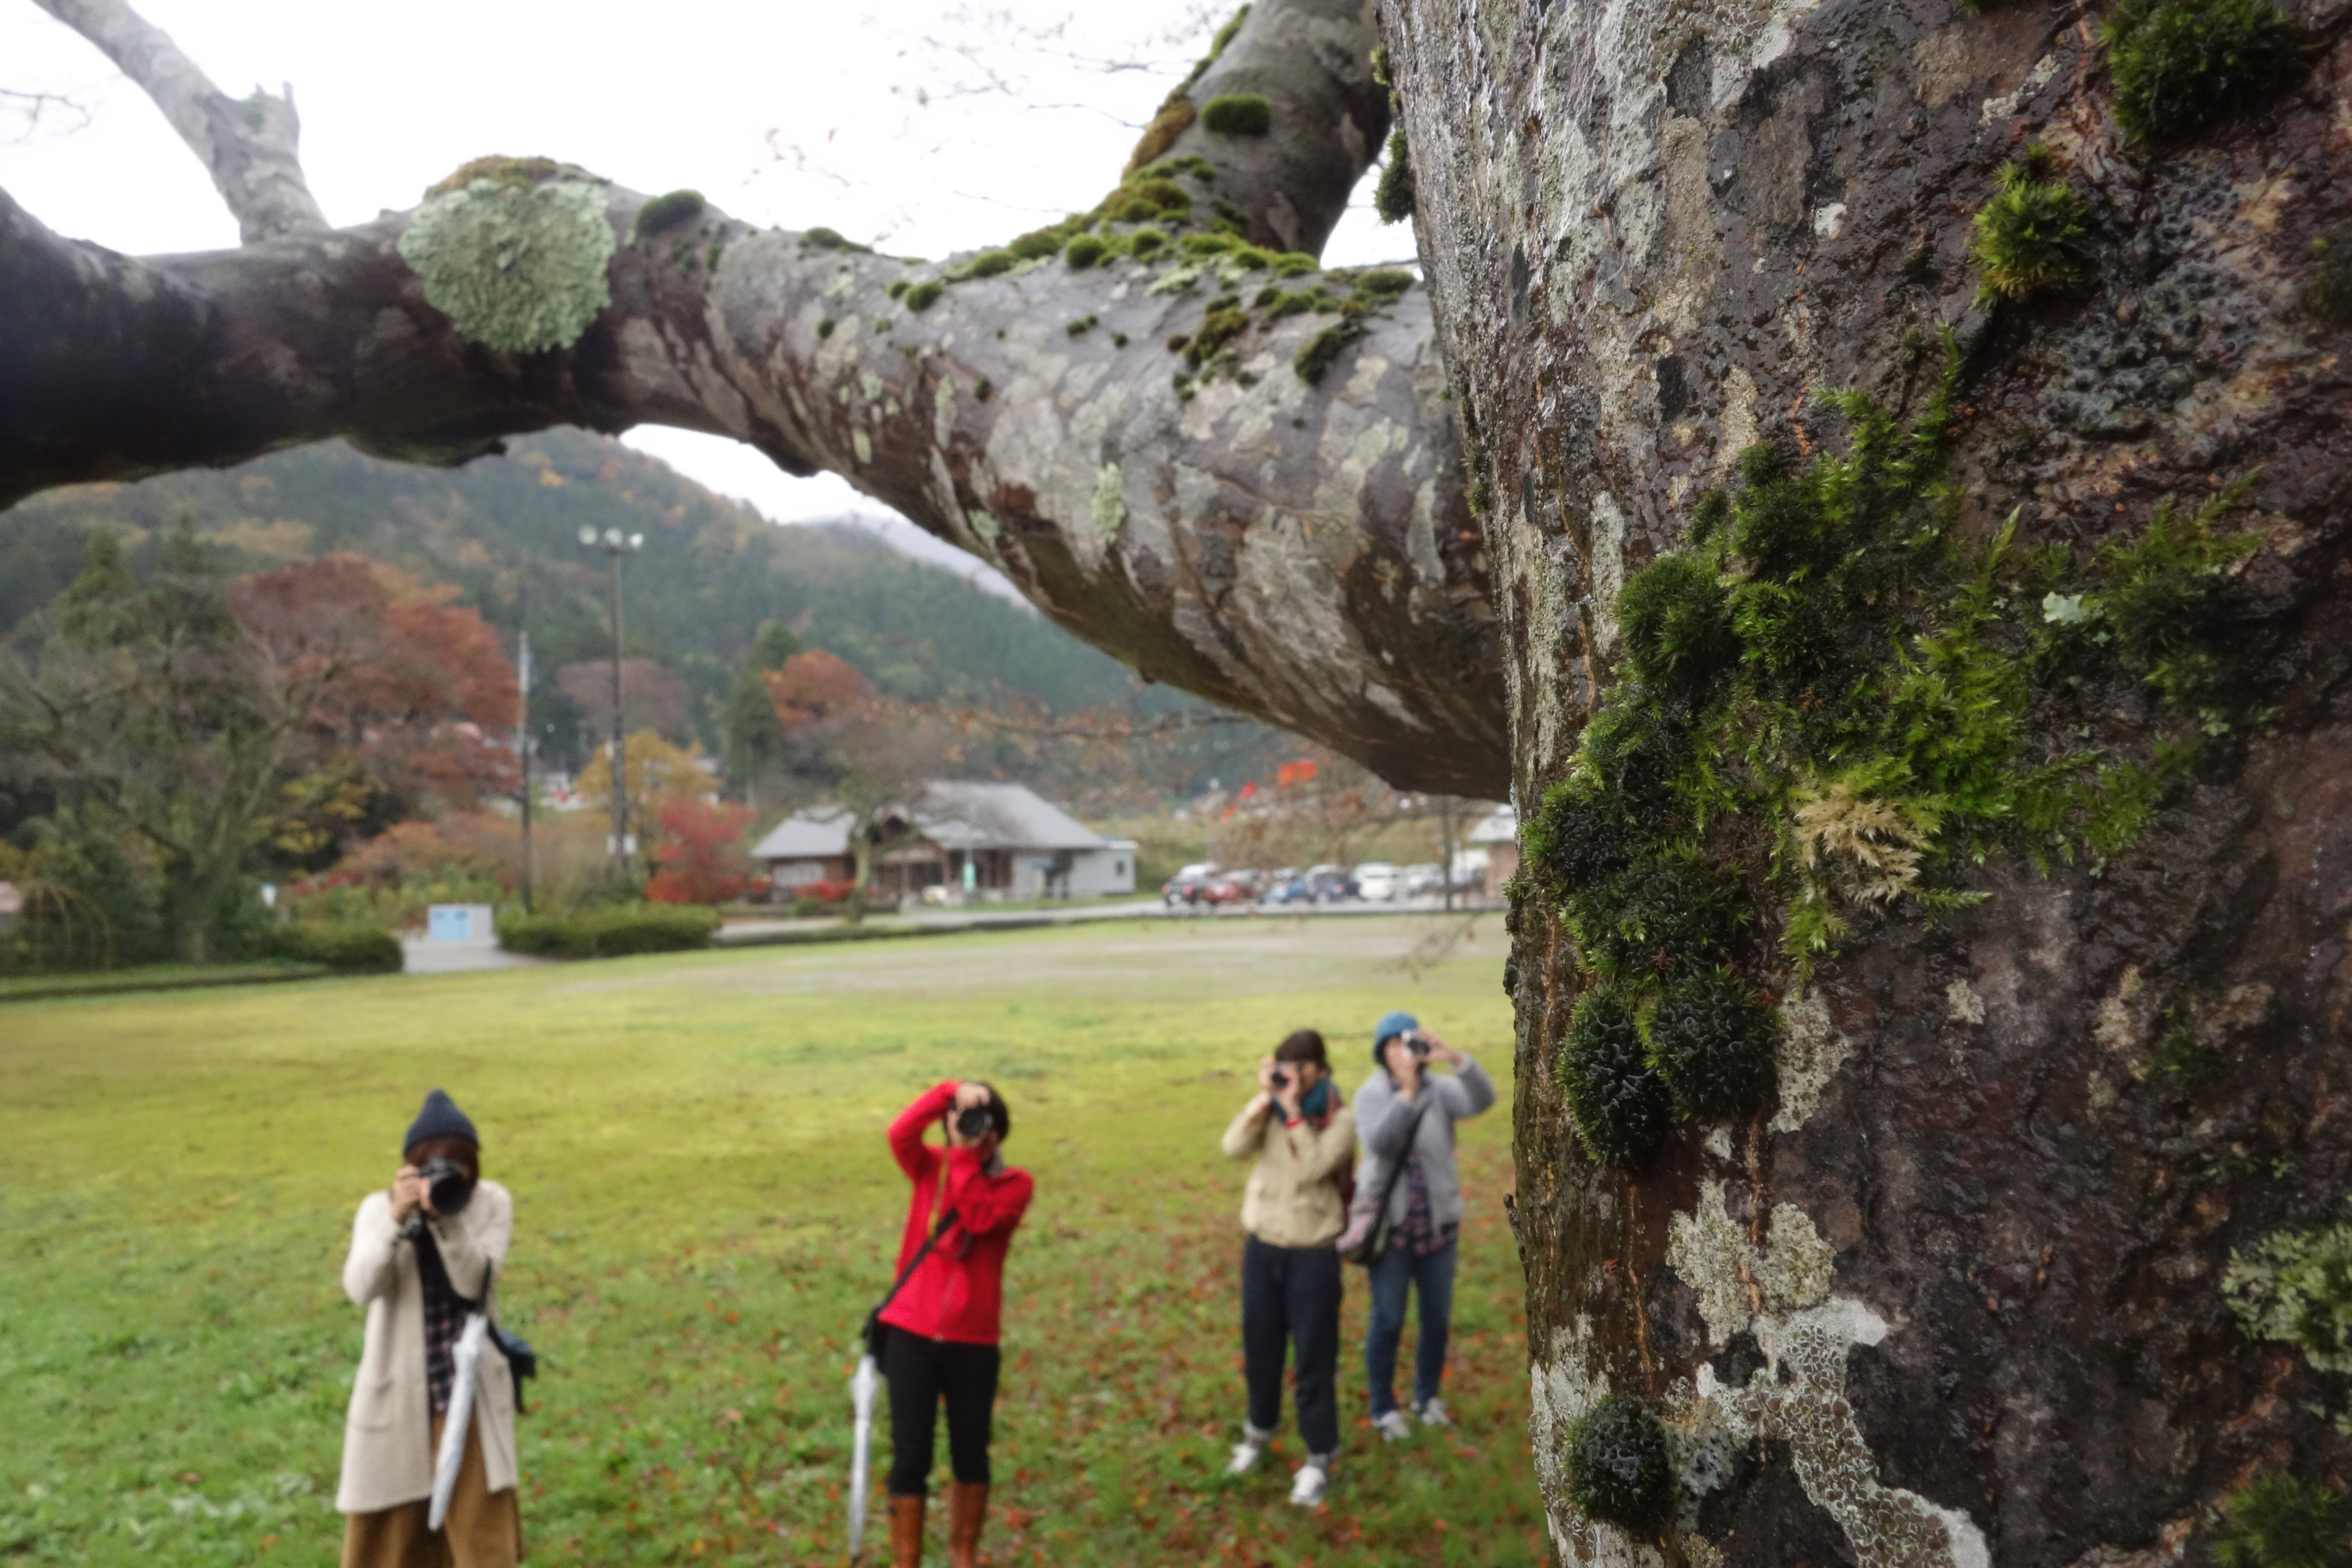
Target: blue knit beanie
pixel 440 1118
pixel 1388 1029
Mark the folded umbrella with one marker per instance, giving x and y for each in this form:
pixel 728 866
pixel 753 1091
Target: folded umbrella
pixel 468 1358
pixel 862 1384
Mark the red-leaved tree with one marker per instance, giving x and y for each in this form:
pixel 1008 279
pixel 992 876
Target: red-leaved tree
pixel 700 857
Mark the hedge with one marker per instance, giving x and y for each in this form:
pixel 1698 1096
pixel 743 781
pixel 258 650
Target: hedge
pixel 353 948
pixel 609 932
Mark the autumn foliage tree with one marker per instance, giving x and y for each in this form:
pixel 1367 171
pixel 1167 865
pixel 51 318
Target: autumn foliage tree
pixel 700 857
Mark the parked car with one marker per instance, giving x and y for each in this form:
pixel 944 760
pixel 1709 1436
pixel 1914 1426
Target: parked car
pixel 1236 886
pixel 1376 881
pixel 1327 882
pixel 1425 878
pixel 1185 886
pixel 1289 887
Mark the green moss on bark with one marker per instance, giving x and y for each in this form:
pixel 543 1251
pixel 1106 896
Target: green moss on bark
pixel 1238 114
pixel 1392 198
pixel 2033 236
pixel 1620 1468
pixel 2181 65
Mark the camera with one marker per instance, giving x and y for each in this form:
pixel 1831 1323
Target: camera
pixel 447 1182
pixel 1279 1078
pixel 1416 1044
pixel 974 1120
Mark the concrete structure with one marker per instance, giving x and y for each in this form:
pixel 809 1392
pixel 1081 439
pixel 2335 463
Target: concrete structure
pixel 1498 835
pixel 985 841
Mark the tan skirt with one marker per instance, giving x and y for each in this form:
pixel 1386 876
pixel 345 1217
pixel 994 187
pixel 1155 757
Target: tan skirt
pixel 484 1530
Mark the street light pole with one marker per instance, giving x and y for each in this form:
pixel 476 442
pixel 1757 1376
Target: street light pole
pixel 614 545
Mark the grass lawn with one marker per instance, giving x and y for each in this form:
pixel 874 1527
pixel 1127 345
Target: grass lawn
pixel 704 1210
pixel 152 977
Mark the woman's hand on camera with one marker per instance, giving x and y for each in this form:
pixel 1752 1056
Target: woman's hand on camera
pixel 410 1192
pixel 968 1095
pixel 1439 1051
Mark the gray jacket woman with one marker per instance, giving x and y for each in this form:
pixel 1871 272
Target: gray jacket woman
pixel 1425 1215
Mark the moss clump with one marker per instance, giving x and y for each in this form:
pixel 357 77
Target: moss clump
pixel 2180 65
pixel 1829 702
pixel 1225 322
pixel 983 390
pixel 1238 114
pixel 667 212
pixel 1677 622
pixel 2296 1287
pixel 897 289
pixel 1315 357
pixel 1084 252
pixel 1392 198
pixel 2278 1521
pixel 2328 295
pixel 1145 243
pixel 825 327
pixel 507 174
pixel 922 296
pixel 518 268
pixel 1713 1043
pixel 824 239
pixel 1616 1099
pixel 1080 327
pixel 1620 1471
pixel 1143 200
pixel 2033 236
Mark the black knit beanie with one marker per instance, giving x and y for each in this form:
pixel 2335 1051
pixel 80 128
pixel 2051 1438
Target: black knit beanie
pixel 440 1118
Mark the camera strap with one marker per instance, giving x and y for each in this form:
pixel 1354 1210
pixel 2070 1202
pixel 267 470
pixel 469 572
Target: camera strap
pixel 875 1328
pixel 522 1359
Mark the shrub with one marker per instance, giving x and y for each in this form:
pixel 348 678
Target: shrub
pixel 1617 1102
pixel 1619 1470
pixel 349 946
pixel 1238 114
pixel 609 931
pixel 2178 64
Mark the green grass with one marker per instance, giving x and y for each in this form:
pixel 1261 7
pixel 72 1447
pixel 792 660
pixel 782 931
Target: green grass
pixel 705 1208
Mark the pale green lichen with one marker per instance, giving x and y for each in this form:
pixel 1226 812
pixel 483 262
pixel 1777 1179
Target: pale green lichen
pixel 985 525
pixel 516 267
pixel 1795 1268
pixel 1811 1051
pixel 1110 505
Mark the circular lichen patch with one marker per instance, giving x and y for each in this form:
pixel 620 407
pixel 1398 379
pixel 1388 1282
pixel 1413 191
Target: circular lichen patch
pixel 520 268
pixel 1619 1468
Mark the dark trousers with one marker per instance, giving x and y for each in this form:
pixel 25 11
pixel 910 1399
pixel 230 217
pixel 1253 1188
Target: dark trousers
pixel 1431 1277
pixel 921 1373
pixel 1290 1295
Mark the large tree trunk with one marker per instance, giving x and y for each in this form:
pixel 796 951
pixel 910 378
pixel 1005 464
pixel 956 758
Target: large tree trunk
pixel 1650 233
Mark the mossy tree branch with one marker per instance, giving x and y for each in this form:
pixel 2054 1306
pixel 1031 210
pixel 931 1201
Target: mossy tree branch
pixel 1299 552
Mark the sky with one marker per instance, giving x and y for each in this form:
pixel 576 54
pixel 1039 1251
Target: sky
pixel 923 129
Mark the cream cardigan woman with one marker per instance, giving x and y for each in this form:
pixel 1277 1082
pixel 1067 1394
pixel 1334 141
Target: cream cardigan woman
pixel 388 1437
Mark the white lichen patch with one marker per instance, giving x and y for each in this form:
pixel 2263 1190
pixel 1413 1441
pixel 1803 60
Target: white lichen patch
pixel 1811 1050
pixel 517 268
pixel 1799 1397
pixel 1962 1004
pixel 1110 504
pixel 1710 1253
pixel 2123 1021
pixel 1795 1268
pixel 861 444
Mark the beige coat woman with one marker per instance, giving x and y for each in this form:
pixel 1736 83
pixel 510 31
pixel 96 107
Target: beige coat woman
pixel 388 1437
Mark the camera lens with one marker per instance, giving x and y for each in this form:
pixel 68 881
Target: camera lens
pixel 1279 1078
pixel 973 1120
pixel 447 1182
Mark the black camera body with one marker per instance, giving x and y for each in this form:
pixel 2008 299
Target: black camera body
pixel 451 1189
pixel 1416 1044
pixel 974 1120
pixel 1279 1078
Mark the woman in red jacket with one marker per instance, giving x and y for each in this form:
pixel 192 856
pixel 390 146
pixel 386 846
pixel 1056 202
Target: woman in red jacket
pixel 943 1320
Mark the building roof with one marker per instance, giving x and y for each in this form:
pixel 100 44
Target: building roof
pixel 818 833
pixel 1501 826
pixel 953 815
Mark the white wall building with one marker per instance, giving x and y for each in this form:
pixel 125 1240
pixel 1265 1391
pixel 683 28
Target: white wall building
pixel 985 841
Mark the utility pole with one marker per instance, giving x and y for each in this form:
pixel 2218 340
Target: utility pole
pixel 522 758
pixel 614 545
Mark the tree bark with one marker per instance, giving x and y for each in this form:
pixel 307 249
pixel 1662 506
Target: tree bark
pixel 1650 233
pixel 1300 551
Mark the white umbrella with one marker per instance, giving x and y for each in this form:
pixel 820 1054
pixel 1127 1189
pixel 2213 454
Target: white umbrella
pixel 468 1356
pixel 862 1384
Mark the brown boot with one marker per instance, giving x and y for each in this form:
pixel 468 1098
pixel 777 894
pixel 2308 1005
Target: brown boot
pixel 967 1511
pixel 906 1532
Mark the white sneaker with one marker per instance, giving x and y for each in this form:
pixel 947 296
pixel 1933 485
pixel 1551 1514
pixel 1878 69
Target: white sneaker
pixel 1432 1414
pixel 1244 1458
pixel 1393 1427
pixel 1307 1486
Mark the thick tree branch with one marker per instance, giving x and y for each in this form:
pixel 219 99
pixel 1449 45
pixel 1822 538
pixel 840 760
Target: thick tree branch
pixel 248 145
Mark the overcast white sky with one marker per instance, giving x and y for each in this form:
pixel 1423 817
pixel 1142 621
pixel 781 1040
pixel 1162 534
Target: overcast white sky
pixel 926 129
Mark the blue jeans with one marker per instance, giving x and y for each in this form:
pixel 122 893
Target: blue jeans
pixel 1432 1279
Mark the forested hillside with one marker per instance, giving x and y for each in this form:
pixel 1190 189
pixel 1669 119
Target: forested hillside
pixel 505 530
